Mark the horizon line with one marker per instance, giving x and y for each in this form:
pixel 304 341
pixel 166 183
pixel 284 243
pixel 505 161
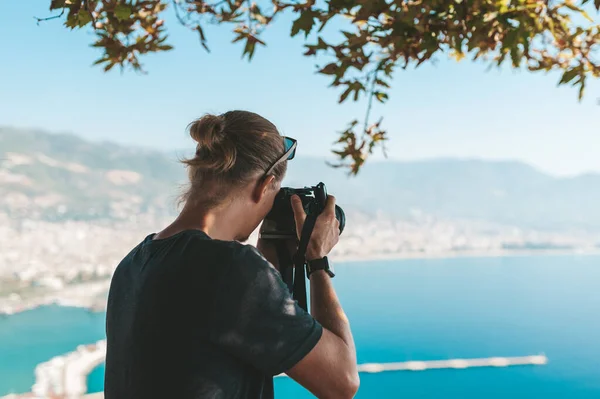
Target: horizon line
pixel 379 160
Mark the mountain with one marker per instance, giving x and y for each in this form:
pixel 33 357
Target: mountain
pixel 504 192
pixel 61 176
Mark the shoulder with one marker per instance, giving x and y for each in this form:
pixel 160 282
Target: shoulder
pixel 249 272
pixel 198 245
pixel 248 260
pixel 250 253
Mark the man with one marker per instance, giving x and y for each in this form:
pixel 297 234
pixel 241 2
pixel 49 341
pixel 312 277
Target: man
pixel 193 313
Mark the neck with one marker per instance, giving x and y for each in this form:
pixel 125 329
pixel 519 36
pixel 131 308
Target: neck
pixel 220 223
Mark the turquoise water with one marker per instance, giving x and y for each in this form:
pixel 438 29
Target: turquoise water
pixel 413 310
pixel 29 338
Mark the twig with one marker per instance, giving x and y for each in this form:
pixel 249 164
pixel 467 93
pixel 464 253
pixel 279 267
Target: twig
pixel 249 15
pixel 178 15
pixel 87 7
pixel 371 94
pixel 49 18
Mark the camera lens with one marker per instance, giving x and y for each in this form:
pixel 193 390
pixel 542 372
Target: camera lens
pixel 341 217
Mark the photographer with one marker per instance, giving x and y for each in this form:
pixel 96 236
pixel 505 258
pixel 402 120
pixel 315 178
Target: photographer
pixel 193 313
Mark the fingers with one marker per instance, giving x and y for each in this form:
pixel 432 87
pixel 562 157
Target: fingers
pixel 299 214
pixel 330 205
pixel 297 207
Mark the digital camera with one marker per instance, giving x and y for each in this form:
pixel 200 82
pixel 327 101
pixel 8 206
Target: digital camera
pixel 280 224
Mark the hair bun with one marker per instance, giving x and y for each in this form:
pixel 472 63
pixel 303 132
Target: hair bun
pixel 215 152
pixel 208 131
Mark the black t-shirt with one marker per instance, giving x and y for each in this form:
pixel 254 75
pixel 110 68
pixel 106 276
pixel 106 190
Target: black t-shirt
pixel 193 317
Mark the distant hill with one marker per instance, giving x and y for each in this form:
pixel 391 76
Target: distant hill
pixel 57 176
pixel 505 192
pixel 60 176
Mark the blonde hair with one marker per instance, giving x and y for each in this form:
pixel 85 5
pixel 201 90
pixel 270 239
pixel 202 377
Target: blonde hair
pixel 232 149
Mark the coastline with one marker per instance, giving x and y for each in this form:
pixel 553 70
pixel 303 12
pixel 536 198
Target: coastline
pixel 65 375
pixel 91 296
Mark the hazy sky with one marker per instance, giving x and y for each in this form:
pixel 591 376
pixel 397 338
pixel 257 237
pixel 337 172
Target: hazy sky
pixel 447 110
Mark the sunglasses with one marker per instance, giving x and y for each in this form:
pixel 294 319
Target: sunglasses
pixel 290 145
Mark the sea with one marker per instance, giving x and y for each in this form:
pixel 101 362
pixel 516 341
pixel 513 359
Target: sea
pixel 400 310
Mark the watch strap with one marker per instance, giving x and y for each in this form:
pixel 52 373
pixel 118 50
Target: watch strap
pixel 318 264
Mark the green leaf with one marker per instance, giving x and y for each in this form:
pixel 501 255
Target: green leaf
pixel 329 69
pixel 251 46
pixel 516 55
pixel 249 49
pixel 501 58
pixel 345 94
pixel 122 12
pixel 511 39
pixel 581 87
pixel 72 20
pixel 240 36
pixel 202 38
pixel 305 22
pixel 381 83
pixel 83 18
pixel 568 76
pixel 55 4
pixel 381 97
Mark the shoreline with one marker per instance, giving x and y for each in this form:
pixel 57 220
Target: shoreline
pixel 85 295
pixel 88 296
pixel 65 375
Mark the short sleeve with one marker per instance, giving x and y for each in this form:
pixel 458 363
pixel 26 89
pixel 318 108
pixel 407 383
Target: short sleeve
pixel 256 318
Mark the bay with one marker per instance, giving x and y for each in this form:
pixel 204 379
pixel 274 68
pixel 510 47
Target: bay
pixel 35 336
pixel 415 310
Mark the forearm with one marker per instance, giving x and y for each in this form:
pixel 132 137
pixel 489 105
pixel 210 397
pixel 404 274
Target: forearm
pixel 326 309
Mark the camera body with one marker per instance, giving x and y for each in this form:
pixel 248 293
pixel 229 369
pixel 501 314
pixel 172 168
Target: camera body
pixel 279 224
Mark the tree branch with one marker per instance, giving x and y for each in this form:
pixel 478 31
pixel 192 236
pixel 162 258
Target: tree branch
pixel 373 76
pixel 87 7
pixel 178 15
pixel 249 15
pixel 49 18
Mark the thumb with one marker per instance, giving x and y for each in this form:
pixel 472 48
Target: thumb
pixel 299 214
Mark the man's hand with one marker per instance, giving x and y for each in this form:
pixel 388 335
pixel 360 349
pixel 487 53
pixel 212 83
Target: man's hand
pixel 326 232
pixel 334 356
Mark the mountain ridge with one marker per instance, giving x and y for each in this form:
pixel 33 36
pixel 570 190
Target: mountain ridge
pixel 95 180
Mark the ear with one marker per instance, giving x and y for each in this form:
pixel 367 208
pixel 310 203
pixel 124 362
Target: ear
pixel 262 188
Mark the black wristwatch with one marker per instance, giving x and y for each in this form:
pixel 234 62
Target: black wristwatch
pixel 319 264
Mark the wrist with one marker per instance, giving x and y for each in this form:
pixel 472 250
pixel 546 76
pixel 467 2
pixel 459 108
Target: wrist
pixel 319 275
pixel 310 256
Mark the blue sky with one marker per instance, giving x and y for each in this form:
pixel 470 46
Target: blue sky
pixel 447 110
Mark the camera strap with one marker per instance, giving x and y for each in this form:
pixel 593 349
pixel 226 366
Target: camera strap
pixel 286 264
pixel 299 290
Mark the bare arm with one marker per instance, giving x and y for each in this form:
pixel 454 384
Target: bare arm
pixel 329 370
